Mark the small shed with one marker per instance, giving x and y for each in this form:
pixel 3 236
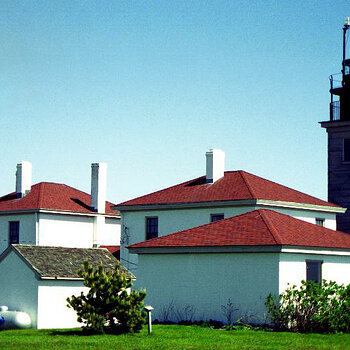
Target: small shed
pixel 38 280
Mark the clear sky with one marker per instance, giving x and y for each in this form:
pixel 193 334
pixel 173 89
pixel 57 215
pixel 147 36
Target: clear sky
pixel 149 86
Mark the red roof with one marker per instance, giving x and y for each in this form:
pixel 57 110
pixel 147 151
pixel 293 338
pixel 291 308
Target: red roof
pixel 256 228
pixel 51 196
pixel 113 249
pixel 235 185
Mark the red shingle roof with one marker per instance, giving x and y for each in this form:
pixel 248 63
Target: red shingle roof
pixel 113 249
pixel 235 185
pixel 256 228
pixel 52 196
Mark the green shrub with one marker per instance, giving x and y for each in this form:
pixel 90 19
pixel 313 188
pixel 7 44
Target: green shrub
pixel 312 307
pixel 108 306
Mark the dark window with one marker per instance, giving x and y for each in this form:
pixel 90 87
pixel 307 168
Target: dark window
pixel 346 151
pixel 314 270
pixel 347 67
pixel 13 232
pixel 319 222
pixel 216 217
pixel 151 228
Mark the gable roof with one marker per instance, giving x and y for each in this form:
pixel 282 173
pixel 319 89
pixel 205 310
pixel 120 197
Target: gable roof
pixel 256 228
pixel 235 185
pixel 52 196
pixel 60 262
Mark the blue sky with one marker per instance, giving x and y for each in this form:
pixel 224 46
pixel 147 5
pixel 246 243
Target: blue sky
pixel 149 86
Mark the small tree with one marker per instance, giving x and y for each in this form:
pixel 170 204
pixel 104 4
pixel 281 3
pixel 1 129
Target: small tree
pixel 312 307
pixel 110 305
pixel 228 310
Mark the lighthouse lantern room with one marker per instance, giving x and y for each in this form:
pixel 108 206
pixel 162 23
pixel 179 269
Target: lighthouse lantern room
pixel 338 130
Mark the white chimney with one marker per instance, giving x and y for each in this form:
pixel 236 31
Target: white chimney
pixel 23 178
pixel 98 186
pixel 215 165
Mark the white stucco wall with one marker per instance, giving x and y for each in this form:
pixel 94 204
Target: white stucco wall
pixel 206 282
pixel 43 300
pixel 58 230
pixel 170 221
pixel 18 286
pixel 293 268
pixel 52 305
pixel 76 231
pixel 27 226
pixel 65 231
pixel 111 234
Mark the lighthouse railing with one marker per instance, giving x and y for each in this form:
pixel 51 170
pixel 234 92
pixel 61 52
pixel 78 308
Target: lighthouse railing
pixel 334 110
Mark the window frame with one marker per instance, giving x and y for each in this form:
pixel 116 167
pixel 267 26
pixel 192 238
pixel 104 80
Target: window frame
pixel 216 215
pixel 13 233
pixel 318 263
pixel 347 153
pixel 320 222
pixel 148 233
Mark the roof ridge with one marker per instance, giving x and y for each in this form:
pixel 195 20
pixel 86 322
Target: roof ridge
pixel 250 189
pixel 271 227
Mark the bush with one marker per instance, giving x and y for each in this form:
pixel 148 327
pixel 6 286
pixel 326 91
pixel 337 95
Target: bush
pixel 312 307
pixel 108 306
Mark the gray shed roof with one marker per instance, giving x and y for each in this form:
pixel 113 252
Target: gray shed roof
pixel 63 263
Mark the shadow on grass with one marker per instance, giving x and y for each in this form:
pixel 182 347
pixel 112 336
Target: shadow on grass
pixel 79 332
pixel 82 332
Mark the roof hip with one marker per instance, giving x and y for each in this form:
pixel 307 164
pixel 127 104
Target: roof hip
pixel 270 226
pixel 250 189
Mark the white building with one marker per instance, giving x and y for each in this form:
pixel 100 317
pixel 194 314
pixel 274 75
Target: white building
pixel 196 273
pixel 238 237
pixel 52 214
pixel 38 280
pixel 215 196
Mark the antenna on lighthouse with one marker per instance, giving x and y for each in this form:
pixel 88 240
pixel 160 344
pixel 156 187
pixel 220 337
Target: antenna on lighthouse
pixel 346 63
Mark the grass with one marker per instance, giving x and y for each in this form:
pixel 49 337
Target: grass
pixel 171 337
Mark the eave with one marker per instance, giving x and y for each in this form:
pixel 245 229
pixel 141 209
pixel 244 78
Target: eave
pixel 184 205
pixel 205 249
pixel 304 206
pixel 55 211
pixel 61 278
pixel 230 203
pixel 344 125
pixel 243 249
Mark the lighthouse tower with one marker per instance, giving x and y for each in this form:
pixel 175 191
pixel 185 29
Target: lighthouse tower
pixel 338 130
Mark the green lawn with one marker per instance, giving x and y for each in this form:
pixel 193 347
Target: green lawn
pixel 171 337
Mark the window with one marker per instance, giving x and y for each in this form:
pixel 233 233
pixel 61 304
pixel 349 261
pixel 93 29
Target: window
pixel 347 67
pixel 216 217
pixel 314 270
pixel 13 232
pixel 320 222
pixel 151 228
pixel 346 150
